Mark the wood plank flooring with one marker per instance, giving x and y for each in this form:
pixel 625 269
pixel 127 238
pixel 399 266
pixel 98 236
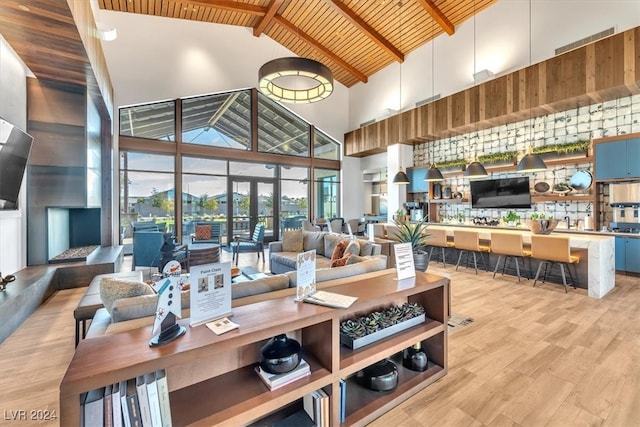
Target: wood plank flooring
pixel 532 357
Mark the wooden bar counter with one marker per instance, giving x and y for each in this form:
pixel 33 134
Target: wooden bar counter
pixel 598 250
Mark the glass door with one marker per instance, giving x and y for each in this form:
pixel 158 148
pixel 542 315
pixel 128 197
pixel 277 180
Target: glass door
pixel 252 202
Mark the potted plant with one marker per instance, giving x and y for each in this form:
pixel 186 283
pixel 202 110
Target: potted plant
pixel 512 219
pixel 505 157
pixel 541 223
pixel 414 233
pixel 400 216
pixel 571 149
pixel 457 164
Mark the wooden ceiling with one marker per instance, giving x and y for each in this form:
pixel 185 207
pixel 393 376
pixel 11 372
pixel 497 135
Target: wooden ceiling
pixel 354 38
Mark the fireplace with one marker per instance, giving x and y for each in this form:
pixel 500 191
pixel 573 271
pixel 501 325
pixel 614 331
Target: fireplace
pixel 72 233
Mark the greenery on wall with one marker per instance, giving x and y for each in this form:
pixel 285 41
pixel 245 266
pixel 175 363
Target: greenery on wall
pixel 451 163
pixel 571 147
pixel 498 157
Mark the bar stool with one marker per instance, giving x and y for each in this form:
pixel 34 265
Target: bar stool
pixel 469 242
pixel 553 250
pixel 438 239
pixel 509 246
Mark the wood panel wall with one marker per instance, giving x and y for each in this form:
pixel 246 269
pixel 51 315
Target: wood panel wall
pixel 604 70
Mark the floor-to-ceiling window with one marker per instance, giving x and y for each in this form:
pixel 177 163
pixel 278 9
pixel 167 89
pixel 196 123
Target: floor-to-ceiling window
pixel 327 194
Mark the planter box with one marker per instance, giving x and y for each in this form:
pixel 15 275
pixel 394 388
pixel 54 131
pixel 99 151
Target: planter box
pixel 384 333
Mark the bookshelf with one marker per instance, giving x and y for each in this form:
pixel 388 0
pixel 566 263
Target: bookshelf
pixel 200 364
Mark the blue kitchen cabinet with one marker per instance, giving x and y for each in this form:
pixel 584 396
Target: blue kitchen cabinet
pixel 628 254
pixel 618 159
pixel 417 183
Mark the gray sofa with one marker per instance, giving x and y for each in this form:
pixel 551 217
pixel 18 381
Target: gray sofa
pixel 323 242
pixel 136 312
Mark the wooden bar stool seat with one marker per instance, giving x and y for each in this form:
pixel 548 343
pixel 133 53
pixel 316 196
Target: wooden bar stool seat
pixel 468 242
pixel 509 246
pixel 438 239
pixel 552 250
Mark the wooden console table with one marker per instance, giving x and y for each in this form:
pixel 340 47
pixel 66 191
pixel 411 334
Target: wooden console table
pixel 211 378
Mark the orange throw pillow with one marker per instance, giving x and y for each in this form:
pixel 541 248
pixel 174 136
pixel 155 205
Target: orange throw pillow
pixel 340 262
pixel 203 232
pixel 338 252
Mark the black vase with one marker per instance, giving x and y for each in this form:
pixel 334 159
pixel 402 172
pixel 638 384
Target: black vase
pixel 280 354
pixel 415 358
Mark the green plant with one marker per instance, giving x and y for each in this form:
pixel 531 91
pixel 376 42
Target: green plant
pixel 452 163
pixel 414 233
pixel 562 186
pixel 498 157
pixel 540 216
pixel 571 147
pixel 400 212
pixel 511 216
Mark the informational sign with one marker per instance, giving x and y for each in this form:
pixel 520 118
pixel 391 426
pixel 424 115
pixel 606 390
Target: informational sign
pixel 405 267
pixel 306 274
pixel 210 292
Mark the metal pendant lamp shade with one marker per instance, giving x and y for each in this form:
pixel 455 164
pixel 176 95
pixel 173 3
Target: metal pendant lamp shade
pixel 531 163
pixel 433 174
pixel 475 170
pixel 295 80
pixel 401 178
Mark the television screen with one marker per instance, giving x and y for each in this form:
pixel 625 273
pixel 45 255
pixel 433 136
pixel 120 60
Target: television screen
pixel 15 146
pixel 509 193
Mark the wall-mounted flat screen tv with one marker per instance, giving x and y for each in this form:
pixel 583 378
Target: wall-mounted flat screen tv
pixel 509 193
pixel 15 146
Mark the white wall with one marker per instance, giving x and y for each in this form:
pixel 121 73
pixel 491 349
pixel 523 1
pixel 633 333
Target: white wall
pixel 501 45
pixel 13 108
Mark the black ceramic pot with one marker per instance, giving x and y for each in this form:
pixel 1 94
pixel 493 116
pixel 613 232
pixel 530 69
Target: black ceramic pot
pixel 382 376
pixel 415 358
pixel 280 354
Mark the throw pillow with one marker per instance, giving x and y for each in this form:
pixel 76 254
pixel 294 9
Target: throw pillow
pixel 292 241
pixel 338 252
pixel 353 248
pixel 353 259
pixel 203 232
pixel 340 262
pixel 112 289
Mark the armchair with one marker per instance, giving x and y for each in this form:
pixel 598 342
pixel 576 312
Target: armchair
pixel 254 244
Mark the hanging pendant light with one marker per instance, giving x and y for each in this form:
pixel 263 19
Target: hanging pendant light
pixel 295 80
pixel 433 173
pixel 531 162
pixel 475 170
pixel 401 178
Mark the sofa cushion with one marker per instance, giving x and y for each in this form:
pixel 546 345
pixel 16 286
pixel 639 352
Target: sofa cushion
pixel 259 286
pixel 292 241
pixel 112 289
pixel 142 306
pixel 203 232
pixel 366 247
pixel 353 259
pixel 338 251
pixel 340 262
pixel 284 258
pixel 314 240
pixel 353 248
pixel 330 243
pixel 369 264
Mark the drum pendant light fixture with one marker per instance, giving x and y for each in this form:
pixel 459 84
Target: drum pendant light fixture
pixel 295 80
pixel 531 162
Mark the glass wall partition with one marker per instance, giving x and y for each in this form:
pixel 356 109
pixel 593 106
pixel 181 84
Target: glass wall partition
pixel 220 120
pixel 327 193
pixel 204 195
pixel 147 191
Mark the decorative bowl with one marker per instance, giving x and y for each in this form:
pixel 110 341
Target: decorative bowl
pixel 382 376
pixel 280 354
pixel 542 226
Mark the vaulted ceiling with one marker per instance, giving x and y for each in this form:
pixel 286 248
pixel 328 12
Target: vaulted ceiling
pixel 354 38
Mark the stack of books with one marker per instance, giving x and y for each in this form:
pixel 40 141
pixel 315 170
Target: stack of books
pixel 138 402
pixel 275 381
pixel 316 405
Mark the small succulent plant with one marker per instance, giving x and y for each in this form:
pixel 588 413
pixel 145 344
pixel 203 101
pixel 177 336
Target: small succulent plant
pixel 381 319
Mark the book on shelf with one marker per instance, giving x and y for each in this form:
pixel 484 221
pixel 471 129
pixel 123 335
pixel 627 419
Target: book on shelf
pixel 132 409
pixel 126 422
pixel 316 406
pixel 325 418
pixel 163 397
pixel 330 299
pixel 116 406
pixel 275 381
pixel 93 408
pixel 108 409
pixel 343 400
pixel 143 401
pixel 154 399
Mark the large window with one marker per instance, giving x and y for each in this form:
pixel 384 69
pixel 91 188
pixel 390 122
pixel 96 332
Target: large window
pixel 325 147
pixel 147 191
pixel 280 131
pixel 151 121
pixel 294 197
pixel 327 194
pixel 221 120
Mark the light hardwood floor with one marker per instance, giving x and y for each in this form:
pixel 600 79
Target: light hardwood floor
pixel 532 357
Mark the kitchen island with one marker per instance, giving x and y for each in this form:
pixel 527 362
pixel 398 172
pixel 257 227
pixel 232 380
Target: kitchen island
pixel 597 251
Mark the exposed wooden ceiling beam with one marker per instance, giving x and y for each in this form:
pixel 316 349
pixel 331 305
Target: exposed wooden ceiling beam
pixel 316 45
pixel 376 37
pixel 267 18
pixel 231 6
pixel 437 14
